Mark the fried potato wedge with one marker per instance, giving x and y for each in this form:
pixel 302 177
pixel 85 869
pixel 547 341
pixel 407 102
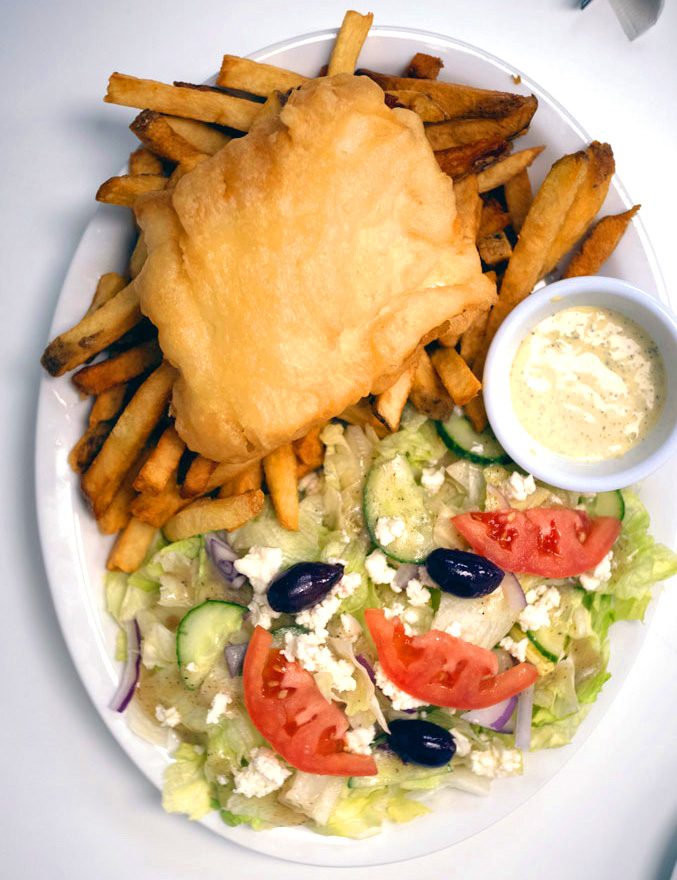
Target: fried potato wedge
pixel 280 469
pixel 197 477
pixel 130 546
pixel 310 449
pixel 95 332
pixel 494 249
pixel 249 478
pixel 158 507
pixel 456 375
pixel 125 190
pixel 161 463
pixel 99 377
pixel 471 340
pixel 600 244
pixel 428 394
pixel 144 161
pixel 423 105
pixel 349 41
pixel 477 414
pixel 518 198
pixel 389 404
pixel 108 285
pixel 507 168
pixel 255 77
pixel 424 66
pixel 460 130
pixel 207 515
pixel 154 130
pixel 494 219
pixel 471 158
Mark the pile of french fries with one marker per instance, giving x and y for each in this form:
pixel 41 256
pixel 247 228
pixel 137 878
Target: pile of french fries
pixel 137 474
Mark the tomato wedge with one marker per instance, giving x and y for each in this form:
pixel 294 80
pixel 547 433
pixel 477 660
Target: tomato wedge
pixel 289 711
pixel 550 542
pixel 441 669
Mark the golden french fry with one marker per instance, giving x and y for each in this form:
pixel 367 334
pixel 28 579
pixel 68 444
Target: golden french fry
pixel 101 376
pixel 518 198
pixel 158 507
pixel 349 42
pixel 272 106
pixel 144 161
pixel 197 477
pixel 280 469
pixel 194 102
pixel 207 515
pixel 125 441
pixel 155 130
pixel 456 375
pixel 89 445
pixel 584 208
pixel 476 412
pixel 507 168
pixel 95 332
pixel 108 405
pixel 205 138
pixel 161 463
pixel 117 514
pixel 494 219
pixel 389 404
pixel 130 546
pixel 471 158
pixel 255 77
pixel 250 478
pixel 362 415
pixel 424 66
pixel 138 257
pixel 428 394
pixel 494 248
pixel 106 288
pixel 600 244
pixel 457 131
pixel 309 449
pixel 468 206
pixel 125 190
pixel 471 340
pixel 418 102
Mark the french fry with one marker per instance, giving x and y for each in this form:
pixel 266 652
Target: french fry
pixel 423 105
pixel 494 248
pixel 89 445
pixel 138 257
pixel 471 340
pixel 125 190
pixel 130 546
pixel 197 477
pixel 99 377
pixel 468 206
pixel 158 507
pixel 272 106
pixel 389 404
pixel 108 405
pixel 280 469
pixel 106 288
pixel 471 158
pixel 161 463
pixel 144 161
pixel 460 130
pixel 117 514
pixel 507 168
pixel 456 375
pixel 255 77
pixel 224 471
pixel 155 130
pixel 205 138
pixel 309 449
pixel 94 333
pixel 456 327
pixel 428 394
pixel 494 219
pixel 584 208
pixel 362 415
pixel 518 198
pixel 349 42
pixel 424 66
pixel 250 478
pixel 207 515
pixel 600 244
pixel 476 412
pixel 125 441
pixel 193 102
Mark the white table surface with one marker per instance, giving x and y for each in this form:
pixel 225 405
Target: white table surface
pixel 72 804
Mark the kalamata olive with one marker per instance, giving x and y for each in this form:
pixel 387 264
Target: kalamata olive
pixel 421 742
pixel 302 586
pixel 464 574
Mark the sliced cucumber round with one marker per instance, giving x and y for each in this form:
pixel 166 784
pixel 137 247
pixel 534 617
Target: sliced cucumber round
pixel 390 490
pixel 460 436
pixel 607 504
pixel 549 643
pixel 201 636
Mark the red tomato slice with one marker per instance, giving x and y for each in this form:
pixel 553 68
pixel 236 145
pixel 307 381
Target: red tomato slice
pixel 289 711
pixel 441 669
pixel 547 541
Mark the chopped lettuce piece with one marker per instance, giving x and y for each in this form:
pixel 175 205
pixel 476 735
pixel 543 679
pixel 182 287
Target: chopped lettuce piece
pixel 115 587
pixel 185 788
pixel 229 745
pixel 360 812
pixel 265 531
pixel 416 439
pixel 547 733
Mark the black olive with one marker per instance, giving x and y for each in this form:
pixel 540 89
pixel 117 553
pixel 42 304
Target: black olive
pixel 464 574
pixel 302 586
pixel 421 742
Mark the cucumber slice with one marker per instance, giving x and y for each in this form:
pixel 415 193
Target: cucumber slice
pixel 607 504
pixel 202 635
pixel 460 436
pixel 391 490
pixel 535 653
pixel 549 644
pixel 279 633
pixel 393 771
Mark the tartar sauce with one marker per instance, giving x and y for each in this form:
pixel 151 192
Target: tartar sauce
pixel 588 383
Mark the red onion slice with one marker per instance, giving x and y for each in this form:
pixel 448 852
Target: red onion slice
pixel 234 655
pixel 362 660
pixel 513 592
pixel 223 556
pixel 525 705
pixel 495 717
pixel 405 573
pixel 130 672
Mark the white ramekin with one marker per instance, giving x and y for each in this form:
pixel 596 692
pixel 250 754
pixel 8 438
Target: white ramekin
pixel 599 476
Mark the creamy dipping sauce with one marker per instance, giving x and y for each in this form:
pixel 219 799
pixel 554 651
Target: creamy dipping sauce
pixel 588 383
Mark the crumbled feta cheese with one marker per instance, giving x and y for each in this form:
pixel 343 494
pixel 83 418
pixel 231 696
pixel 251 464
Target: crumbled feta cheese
pixel 310 483
pixel 593 580
pixel 477 448
pixel 518 650
pixel 495 761
pixel 519 487
pixel 454 629
pixel 260 566
pixel 317 617
pixel 463 744
pixel 218 707
pixel 417 593
pixel 170 717
pixel 262 775
pixel 348 584
pixel 458 411
pixel 540 603
pixel 350 628
pixel 190 667
pixel 359 739
pixel 400 699
pixel 378 569
pixel 388 529
pixel 222 780
pixel 432 479
pixel 410 616
pixel 425 578
pixel 312 654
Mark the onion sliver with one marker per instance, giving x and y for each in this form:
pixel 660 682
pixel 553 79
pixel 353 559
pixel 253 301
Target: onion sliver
pixel 513 592
pixel 223 556
pixel 130 672
pixel 362 660
pixel 525 705
pixel 495 717
pixel 234 655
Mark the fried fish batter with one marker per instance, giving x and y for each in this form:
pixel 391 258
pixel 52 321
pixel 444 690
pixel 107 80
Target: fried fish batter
pixel 301 267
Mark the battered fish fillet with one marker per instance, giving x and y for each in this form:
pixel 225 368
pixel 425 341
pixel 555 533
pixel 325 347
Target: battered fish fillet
pixel 299 268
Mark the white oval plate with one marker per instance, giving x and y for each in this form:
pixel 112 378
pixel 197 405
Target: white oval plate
pixel 75 552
